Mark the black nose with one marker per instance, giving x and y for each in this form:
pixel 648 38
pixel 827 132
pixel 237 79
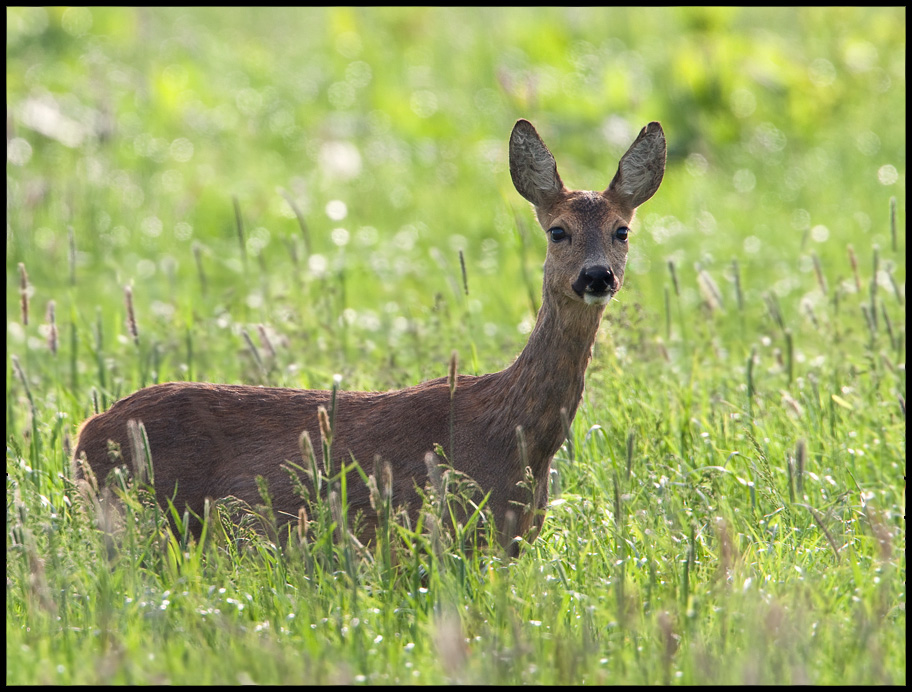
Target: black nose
pixel 597 280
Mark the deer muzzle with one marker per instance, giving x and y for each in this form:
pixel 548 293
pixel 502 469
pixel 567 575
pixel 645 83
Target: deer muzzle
pixel 596 284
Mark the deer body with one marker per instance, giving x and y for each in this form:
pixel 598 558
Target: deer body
pixel 213 440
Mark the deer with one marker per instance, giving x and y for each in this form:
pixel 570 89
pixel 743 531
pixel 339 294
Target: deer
pixel 212 441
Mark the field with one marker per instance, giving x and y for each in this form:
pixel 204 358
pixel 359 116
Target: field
pixel 279 197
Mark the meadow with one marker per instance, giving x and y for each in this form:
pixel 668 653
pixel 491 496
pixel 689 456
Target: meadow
pixel 309 196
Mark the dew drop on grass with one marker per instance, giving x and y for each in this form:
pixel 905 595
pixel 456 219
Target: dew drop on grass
pixel 743 103
pixel 18 151
pixel 340 236
pixel 336 209
pixel 752 244
pixel 820 233
pixel 181 149
pixel 145 268
pixel 317 264
pixel 151 226
pixel 340 160
pixel 744 180
pixel 887 175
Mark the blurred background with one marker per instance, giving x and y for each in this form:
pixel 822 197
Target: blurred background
pixel 131 133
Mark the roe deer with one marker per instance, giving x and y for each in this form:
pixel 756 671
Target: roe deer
pixel 213 440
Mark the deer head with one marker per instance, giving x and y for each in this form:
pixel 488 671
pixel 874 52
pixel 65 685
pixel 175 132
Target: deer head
pixel 587 231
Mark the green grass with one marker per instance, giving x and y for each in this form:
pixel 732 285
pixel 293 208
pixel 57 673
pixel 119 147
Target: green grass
pixel 730 506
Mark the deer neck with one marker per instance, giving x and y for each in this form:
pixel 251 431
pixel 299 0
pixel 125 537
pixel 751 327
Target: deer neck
pixel 548 375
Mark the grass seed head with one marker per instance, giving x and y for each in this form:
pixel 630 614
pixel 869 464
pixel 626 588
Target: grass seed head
pixel 674 277
pixel 52 328
pixel 521 445
pixel 451 374
pixel 335 507
pixel 131 315
pixel 800 460
pixel 136 449
pixel 709 290
pixel 23 293
pixel 302 524
pixel 818 270
pixel 736 270
pixel 264 339
pixel 386 479
pixel 253 349
pixel 306 446
pixel 325 427
pixel 854 262
pixel 433 469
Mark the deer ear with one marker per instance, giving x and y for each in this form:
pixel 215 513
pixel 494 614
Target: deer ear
pixel 641 169
pixel 532 166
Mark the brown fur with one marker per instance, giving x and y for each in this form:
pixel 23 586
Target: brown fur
pixel 213 440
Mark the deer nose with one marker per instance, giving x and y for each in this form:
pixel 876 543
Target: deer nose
pixel 597 280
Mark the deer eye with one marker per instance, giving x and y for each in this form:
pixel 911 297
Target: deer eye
pixel 557 234
pixel 621 233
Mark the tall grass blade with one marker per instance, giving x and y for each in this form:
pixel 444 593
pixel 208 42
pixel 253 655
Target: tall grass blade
pixel 239 225
pixel 302 223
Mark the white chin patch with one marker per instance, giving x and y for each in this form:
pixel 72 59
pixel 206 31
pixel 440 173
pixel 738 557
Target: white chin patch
pixel 592 299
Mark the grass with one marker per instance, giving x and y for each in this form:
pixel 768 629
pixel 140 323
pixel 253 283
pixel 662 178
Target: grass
pixel 277 197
